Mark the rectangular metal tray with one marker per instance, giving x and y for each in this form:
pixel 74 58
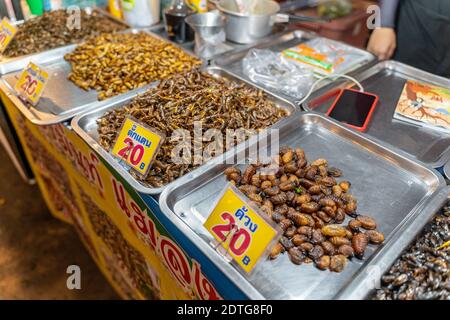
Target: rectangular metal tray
pixel 86 127
pixel 230 47
pixel 8 65
pixel 389 186
pixel 387 79
pixel 363 286
pixel 61 99
pixel 233 62
pixel 447 170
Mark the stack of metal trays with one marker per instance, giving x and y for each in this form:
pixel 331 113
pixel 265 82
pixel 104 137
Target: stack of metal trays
pixel 86 127
pixel 62 99
pixel 387 79
pixel 400 193
pixel 233 62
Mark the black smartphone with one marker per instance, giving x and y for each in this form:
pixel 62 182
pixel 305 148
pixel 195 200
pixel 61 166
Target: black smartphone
pixel 354 108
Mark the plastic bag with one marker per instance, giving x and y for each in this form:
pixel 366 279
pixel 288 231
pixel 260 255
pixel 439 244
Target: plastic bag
pixel 325 56
pixel 210 45
pixel 276 72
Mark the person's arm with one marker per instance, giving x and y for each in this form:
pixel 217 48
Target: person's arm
pixel 388 13
pixel 383 40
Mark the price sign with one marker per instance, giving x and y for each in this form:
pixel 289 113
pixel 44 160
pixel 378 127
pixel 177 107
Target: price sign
pixel 32 83
pixel 7 33
pixel 242 231
pixel 137 145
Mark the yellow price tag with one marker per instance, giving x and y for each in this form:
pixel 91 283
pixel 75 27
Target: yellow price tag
pixel 137 145
pixel 240 230
pixel 7 33
pixel 32 83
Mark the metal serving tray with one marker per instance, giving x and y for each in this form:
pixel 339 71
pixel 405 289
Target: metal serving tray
pixel 229 47
pixel 86 127
pixel 362 286
pixel 62 99
pixel 233 62
pixel 389 186
pixel 447 170
pixel 8 65
pixel 387 79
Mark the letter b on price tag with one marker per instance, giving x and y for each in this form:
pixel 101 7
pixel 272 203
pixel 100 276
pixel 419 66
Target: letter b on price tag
pixel 241 230
pixel 137 145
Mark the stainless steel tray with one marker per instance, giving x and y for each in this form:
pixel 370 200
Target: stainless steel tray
pixel 387 79
pixel 86 127
pixel 362 287
pixel 233 62
pixel 389 186
pixel 447 170
pixel 8 65
pixel 229 47
pixel 62 99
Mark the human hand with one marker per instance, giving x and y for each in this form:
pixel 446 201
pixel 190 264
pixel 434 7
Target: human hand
pixel 382 43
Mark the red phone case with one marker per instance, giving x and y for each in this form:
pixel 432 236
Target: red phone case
pixel 369 115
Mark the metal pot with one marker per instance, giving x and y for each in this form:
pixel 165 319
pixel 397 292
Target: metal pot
pixel 247 28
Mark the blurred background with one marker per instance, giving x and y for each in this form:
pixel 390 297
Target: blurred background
pixel 348 22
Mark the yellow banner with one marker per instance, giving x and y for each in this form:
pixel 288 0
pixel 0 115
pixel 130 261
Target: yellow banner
pixel 132 249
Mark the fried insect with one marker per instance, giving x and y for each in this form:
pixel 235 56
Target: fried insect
pixel 116 63
pixel 183 100
pixel 422 272
pixel 51 30
pixel 310 206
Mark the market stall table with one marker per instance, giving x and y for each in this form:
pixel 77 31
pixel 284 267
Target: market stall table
pixel 126 235
pixel 152 246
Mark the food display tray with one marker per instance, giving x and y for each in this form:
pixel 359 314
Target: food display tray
pixel 358 289
pixel 233 62
pixel 8 65
pixel 387 79
pixel 389 186
pixel 447 170
pixel 229 47
pixel 86 126
pixel 61 99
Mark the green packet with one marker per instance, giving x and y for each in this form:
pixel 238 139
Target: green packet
pixel 292 54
